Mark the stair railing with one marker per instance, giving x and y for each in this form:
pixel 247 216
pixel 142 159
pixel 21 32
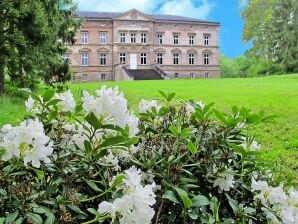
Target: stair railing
pixel 128 72
pixel 160 71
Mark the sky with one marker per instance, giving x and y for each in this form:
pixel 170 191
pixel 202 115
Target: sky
pixel 227 12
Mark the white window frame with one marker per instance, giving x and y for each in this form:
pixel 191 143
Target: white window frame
pixel 159 39
pixel 102 37
pixel 206 39
pixel 191 39
pixel 176 59
pixel 143 38
pixel 85 77
pixel 191 59
pixel 84 59
pixel 103 77
pixel 122 58
pixel 206 59
pixel 122 37
pixel 103 59
pixel 143 59
pixel 133 38
pixel 84 37
pixel 159 58
pixel 175 39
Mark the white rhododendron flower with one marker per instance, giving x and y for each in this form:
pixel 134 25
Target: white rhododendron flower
pixel 113 105
pixel 135 206
pixel 147 106
pixel 191 109
pixel 26 141
pixel 67 102
pixel 29 103
pixel 225 181
pixel 254 146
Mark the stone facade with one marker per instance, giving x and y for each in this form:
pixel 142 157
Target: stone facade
pixel 180 46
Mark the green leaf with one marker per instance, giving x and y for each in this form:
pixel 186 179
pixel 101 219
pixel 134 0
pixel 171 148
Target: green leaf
pixel 93 121
pixel 19 220
pixel 93 186
pixel 88 146
pixel 40 174
pixel 192 148
pixel 115 140
pixel 35 218
pixel 174 130
pixel 75 209
pixel 170 195
pixel 93 211
pixel 48 95
pixel 229 221
pixel 50 219
pixel 171 96
pixel 12 217
pixel 53 102
pixel 184 197
pixel 200 200
pixel 234 204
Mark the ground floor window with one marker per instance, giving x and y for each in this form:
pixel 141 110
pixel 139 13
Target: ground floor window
pixel 159 59
pixel 103 77
pixel 176 75
pixel 206 75
pixel 85 77
pixel 206 59
pixel 122 58
pixel 191 75
pixel 191 59
pixel 176 59
pixel 143 58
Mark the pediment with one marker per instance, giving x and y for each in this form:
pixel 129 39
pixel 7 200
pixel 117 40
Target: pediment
pixel 85 49
pixel 160 50
pixel 176 50
pixel 207 51
pixel 103 49
pixel 192 51
pixel 133 14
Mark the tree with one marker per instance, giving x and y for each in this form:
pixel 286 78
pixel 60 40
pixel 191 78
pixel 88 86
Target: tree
pixel 272 27
pixel 32 34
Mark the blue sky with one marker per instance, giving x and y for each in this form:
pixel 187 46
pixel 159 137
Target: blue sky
pixel 224 11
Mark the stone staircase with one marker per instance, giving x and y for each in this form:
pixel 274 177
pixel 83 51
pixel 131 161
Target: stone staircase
pixel 145 74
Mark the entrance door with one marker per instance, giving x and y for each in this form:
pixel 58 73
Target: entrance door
pixel 133 61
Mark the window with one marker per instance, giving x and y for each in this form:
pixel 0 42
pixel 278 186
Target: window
pixel 102 38
pixel 143 38
pixel 191 59
pixel 143 58
pixel 191 39
pixel 176 75
pixel 84 37
pixel 159 38
pixel 66 57
pixel 84 59
pixel 176 59
pixel 66 42
pixel 122 58
pixel 206 59
pixel 206 75
pixel 122 37
pixel 159 58
pixel 133 38
pixel 206 39
pixel 176 39
pixel 103 59
pixel 191 75
pixel 85 77
pixel 103 77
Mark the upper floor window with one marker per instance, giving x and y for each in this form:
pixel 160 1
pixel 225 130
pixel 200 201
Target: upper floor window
pixel 143 38
pixel 84 37
pixel 176 38
pixel 191 59
pixel 191 39
pixel 159 59
pixel 143 58
pixel 84 59
pixel 122 37
pixel 175 59
pixel 206 59
pixel 133 38
pixel 159 38
pixel 103 77
pixel 102 37
pixel 103 59
pixel 206 39
pixel 122 58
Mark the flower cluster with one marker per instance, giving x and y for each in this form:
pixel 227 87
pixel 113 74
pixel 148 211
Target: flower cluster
pixel 135 206
pixel 224 181
pixel 32 106
pixel 277 203
pixel 27 141
pixel 111 104
pixel 67 102
pixel 147 106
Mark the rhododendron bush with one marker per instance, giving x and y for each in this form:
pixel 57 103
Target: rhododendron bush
pixel 96 161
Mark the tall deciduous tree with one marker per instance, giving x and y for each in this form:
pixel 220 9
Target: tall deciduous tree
pixel 272 27
pixel 32 34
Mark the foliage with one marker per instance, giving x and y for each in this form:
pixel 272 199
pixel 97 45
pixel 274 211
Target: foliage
pixel 32 35
pixel 95 160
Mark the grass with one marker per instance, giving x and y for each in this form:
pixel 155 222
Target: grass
pixel 276 95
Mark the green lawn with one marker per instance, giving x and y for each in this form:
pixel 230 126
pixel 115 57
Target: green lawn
pixel 275 95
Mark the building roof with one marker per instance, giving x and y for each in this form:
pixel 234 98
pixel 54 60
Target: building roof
pixel 157 17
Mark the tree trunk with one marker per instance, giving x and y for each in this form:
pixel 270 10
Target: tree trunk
pixel 2 58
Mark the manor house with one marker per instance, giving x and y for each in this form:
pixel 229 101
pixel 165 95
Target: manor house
pixel 135 46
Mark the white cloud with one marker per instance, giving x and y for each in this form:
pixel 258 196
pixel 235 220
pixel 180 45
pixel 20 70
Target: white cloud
pixel 192 8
